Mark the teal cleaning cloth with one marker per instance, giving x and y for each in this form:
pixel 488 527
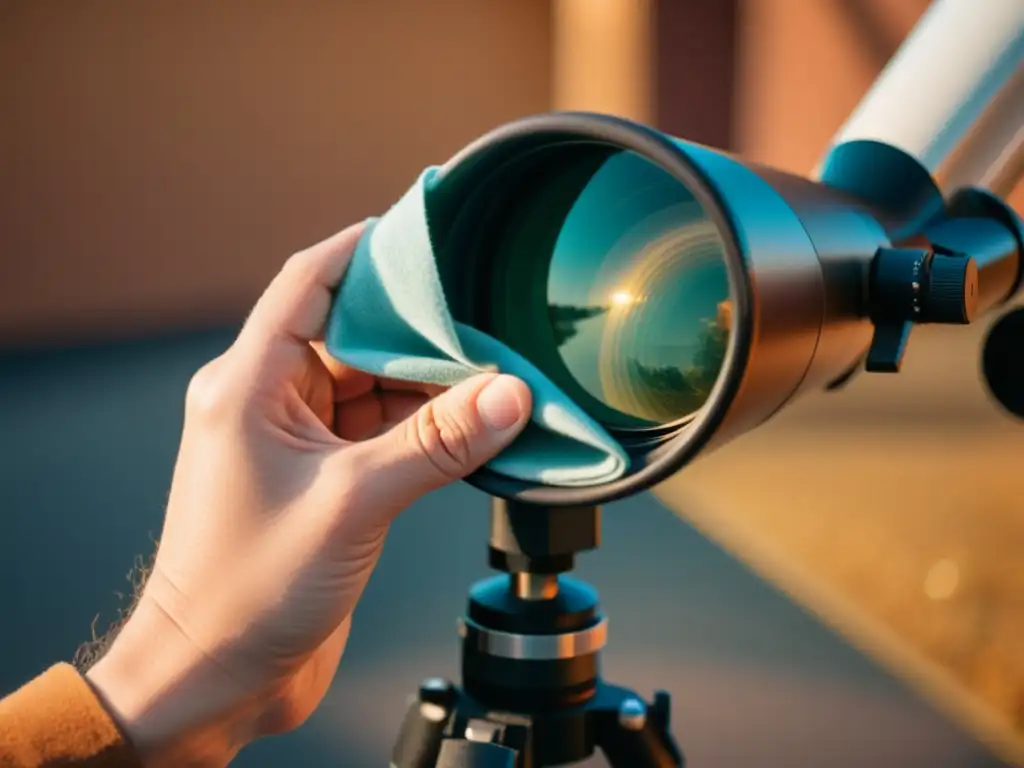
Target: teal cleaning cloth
pixel 391 318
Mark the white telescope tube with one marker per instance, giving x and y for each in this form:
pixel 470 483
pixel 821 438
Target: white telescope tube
pixel 953 96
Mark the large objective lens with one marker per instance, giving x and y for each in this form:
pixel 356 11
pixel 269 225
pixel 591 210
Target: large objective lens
pixel 628 271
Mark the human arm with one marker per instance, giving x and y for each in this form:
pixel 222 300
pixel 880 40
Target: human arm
pixel 291 469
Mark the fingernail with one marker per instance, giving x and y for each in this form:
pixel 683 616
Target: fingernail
pixel 501 404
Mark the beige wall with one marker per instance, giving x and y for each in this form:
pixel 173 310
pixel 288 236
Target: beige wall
pixel 160 159
pixel 663 62
pixel 695 74
pixel 602 58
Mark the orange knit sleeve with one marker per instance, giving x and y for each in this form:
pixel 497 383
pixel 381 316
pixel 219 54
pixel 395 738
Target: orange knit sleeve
pixel 57 720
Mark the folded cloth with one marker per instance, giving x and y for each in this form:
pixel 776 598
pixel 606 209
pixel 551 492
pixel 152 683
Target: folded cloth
pixel 390 317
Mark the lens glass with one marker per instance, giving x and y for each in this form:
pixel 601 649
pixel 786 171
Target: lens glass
pixel 629 271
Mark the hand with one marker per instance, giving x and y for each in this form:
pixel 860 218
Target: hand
pixel 290 470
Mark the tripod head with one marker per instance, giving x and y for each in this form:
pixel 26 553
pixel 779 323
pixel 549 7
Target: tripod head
pixel 531 637
pixel 532 694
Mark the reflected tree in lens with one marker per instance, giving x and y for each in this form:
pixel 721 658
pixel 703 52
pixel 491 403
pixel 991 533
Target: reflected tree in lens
pixel 565 320
pixel 682 390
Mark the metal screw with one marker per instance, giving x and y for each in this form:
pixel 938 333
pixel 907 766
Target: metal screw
pixel 482 731
pixel 632 714
pixel 438 691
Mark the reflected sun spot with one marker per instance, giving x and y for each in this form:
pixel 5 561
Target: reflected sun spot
pixel 622 298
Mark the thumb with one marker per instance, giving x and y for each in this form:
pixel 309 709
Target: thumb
pixel 447 439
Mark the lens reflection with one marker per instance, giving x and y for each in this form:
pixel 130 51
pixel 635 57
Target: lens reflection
pixel 638 293
pixel 631 274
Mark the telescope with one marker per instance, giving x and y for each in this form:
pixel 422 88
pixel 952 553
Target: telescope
pixel 681 297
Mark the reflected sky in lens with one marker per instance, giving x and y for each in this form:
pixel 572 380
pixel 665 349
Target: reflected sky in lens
pixel 638 292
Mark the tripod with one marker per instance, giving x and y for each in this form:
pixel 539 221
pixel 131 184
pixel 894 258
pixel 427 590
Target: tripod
pixel 531 694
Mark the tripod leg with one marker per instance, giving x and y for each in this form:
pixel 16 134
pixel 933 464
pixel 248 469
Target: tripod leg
pixel 457 753
pixel 643 749
pixel 636 738
pixel 419 739
pixel 639 749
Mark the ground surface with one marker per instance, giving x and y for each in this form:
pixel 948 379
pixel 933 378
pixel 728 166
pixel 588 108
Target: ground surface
pixel 87 441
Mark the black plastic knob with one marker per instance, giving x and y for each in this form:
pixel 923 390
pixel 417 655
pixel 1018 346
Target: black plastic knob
pixel 910 286
pixel 952 290
pixel 437 690
pixel 897 277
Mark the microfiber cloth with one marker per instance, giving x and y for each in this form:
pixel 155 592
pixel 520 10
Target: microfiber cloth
pixel 390 317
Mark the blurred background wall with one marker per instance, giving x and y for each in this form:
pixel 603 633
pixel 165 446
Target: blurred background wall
pixel 160 160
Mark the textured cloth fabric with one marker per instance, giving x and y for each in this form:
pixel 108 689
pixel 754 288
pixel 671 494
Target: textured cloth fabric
pixel 391 318
pixel 56 719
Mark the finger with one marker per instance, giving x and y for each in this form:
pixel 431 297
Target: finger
pixel 293 310
pixel 349 382
pixel 445 440
pixel 370 414
pixel 317 389
pixel 397 406
pixel 359 418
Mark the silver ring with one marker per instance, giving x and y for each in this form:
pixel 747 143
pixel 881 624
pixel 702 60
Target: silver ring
pixel 535 647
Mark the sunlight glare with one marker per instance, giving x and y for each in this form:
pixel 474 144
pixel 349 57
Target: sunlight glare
pixel 622 298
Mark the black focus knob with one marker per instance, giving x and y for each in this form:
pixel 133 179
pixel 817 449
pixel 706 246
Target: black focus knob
pixel 952 290
pixel 910 286
pixel 897 277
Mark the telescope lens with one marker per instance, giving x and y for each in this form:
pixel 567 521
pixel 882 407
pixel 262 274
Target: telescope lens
pixel 629 272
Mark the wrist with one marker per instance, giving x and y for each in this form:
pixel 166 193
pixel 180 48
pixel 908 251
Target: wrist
pixel 174 704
